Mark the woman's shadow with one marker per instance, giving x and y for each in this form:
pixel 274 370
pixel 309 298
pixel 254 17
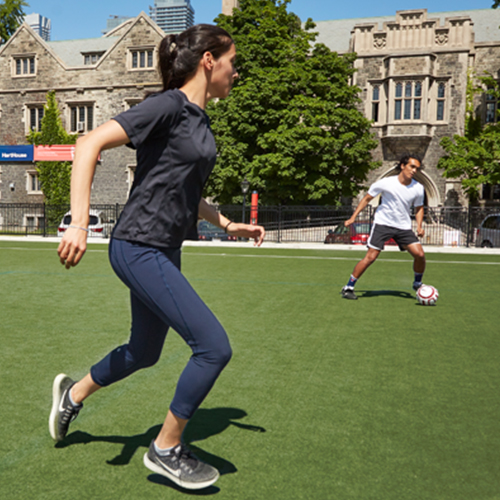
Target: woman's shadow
pixel 205 423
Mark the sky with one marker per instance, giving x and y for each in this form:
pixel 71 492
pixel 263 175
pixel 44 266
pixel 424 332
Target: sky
pixel 72 19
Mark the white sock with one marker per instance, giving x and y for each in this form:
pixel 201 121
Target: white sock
pixel 163 451
pixel 76 405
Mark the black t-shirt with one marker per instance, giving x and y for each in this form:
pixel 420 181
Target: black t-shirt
pixel 175 155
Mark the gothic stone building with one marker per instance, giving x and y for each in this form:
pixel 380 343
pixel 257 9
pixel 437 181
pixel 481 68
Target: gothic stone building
pixel 411 68
pixel 93 79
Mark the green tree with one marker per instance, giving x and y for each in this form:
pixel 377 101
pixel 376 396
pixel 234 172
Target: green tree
pixel 55 176
pixel 474 157
pixel 11 17
pixel 290 124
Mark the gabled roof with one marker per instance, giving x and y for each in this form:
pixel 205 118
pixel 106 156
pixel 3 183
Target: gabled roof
pixel 116 31
pixel 36 36
pixel 336 34
pixel 70 51
pixel 123 29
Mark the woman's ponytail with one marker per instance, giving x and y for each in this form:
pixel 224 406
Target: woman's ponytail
pixel 179 55
pixel 167 52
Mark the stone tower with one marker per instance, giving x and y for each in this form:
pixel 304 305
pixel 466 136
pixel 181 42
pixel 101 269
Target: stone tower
pixel 229 5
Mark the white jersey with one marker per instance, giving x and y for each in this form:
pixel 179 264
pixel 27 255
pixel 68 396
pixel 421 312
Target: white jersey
pixel 397 200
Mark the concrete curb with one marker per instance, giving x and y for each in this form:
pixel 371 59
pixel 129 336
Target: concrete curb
pixel 292 246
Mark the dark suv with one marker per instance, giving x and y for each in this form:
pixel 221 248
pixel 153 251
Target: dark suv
pixel 209 232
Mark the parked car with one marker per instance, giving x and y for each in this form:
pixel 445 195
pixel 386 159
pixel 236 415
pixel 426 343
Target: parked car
pixel 488 233
pixel 355 234
pixel 99 226
pixel 209 232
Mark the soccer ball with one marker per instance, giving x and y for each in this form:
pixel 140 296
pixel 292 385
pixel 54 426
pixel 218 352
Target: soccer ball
pixel 427 295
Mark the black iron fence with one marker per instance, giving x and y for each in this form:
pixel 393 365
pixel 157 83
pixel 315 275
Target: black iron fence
pixel 454 226
pixel 44 220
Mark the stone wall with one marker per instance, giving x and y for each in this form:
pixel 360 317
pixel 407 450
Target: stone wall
pixel 408 49
pixel 414 50
pixel 110 86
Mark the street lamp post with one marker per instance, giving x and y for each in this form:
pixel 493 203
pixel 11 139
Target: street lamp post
pixel 244 189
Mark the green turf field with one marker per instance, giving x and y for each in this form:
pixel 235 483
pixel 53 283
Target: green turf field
pixel 324 398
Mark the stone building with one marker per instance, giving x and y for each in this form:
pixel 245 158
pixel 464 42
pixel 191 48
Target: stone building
pixel 411 68
pixel 93 79
pixel 229 5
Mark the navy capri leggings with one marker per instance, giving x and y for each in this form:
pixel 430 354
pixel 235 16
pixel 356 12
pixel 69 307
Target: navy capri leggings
pixel 161 297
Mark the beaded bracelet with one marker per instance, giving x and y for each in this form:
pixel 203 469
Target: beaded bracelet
pixel 227 225
pixel 82 228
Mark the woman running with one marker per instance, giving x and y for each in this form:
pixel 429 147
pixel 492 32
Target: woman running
pixel 175 155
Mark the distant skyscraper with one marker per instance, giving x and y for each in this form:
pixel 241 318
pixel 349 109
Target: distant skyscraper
pixel 172 16
pixel 229 5
pixel 39 24
pixel 113 22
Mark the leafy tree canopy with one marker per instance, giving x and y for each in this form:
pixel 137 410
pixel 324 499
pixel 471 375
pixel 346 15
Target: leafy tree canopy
pixel 474 157
pixel 290 124
pixel 11 17
pixel 54 176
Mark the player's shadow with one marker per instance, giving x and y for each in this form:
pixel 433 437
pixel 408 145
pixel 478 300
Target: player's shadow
pixel 368 294
pixel 208 422
pixel 205 423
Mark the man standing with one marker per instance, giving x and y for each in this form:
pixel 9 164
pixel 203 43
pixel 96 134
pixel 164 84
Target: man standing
pixel 392 220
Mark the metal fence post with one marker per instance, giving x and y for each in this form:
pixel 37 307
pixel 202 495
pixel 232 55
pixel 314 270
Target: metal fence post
pixel 279 223
pixel 468 225
pixel 44 221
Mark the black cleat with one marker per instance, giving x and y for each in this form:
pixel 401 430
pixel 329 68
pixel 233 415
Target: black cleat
pixel 63 412
pixel 182 467
pixel 417 285
pixel 348 293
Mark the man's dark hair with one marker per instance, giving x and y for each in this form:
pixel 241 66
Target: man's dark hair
pixel 405 159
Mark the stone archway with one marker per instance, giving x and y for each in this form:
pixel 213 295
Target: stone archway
pixel 432 198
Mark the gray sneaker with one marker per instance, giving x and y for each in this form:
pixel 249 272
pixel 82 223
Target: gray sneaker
pixel 348 293
pixel 417 285
pixel 63 412
pixel 182 467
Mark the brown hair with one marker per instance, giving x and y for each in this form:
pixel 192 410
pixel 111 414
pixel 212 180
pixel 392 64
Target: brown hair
pixel 179 55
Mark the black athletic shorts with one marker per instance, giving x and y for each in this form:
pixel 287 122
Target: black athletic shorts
pixel 381 234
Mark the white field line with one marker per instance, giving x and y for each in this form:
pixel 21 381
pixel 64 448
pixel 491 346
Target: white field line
pixel 250 256
pixel 312 257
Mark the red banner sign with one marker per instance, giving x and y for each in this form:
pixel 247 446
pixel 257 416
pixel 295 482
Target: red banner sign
pixel 58 152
